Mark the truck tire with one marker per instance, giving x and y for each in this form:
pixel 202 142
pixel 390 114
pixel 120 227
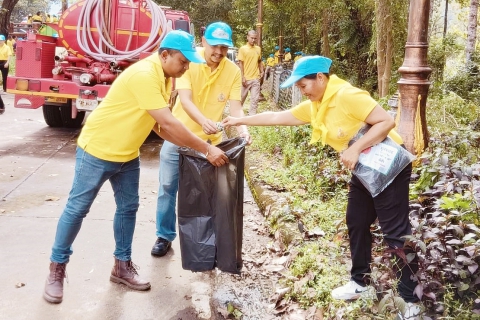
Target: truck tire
pixel 52 116
pixel 66 114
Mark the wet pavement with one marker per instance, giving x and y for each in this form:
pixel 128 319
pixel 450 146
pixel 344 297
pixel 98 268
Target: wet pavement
pixel 36 172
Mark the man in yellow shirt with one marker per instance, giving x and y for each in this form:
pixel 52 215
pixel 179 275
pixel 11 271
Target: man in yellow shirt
pixel 270 65
pixel 37 17
pixel 203 92
pixel 5 56
pixel 277 54
pixel 298 55
pixel 251 66
pixel 108 149
pixel 288 55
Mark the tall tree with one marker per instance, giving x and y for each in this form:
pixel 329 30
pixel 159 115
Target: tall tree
pixel 5 14
pixel 471 31
pixel 383 19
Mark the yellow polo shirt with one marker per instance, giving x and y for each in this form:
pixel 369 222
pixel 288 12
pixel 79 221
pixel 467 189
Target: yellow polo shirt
pixel 210 93
pixel 10 44
pixel 116 129
pixel 37 18
pixel 270 61
pixel 5 52
pixel 276 55
pixel 347 107
pixel 250 56
pixel 288 56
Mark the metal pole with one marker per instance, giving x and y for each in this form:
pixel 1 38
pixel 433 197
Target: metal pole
pixel 260 23
pixel 413 84
pixel 280 44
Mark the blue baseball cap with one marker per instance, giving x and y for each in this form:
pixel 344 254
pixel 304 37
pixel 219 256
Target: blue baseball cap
pixel 218 33
pixel 287 50
pixel 183 42
pixel 271 55
pixel 305 66
pixel 277 47
pixel 2 37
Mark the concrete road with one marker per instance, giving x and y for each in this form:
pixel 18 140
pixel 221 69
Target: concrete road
pixel 36 172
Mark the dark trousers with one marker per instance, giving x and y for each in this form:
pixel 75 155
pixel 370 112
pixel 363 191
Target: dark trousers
pixel 391 207
pixel 4 74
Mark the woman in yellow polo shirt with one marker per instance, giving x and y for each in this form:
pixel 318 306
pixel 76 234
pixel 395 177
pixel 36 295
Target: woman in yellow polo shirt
pixel 337 111
pixel 5 54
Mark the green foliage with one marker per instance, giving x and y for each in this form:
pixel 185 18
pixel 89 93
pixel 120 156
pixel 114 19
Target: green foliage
pixel 316 168
pixel 465 80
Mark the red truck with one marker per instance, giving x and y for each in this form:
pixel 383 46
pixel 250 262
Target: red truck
pixel 70 71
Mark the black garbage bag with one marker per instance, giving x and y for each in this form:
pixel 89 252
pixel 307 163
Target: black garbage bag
pixel 210 209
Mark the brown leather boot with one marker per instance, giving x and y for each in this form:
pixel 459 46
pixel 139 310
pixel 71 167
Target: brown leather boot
pixel 126 272
pixel 54 285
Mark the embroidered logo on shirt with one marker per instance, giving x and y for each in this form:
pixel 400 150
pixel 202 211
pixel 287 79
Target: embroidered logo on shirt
pixel 221 97
pixel 340 133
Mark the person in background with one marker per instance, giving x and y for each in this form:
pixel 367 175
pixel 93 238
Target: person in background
pixel 298 55
pixel 10 42
pixel 203 93
pixel 288 55
pixel 336 111
pixel 37 17
pixel 108 149
pixel 270 65
pixel 250 59
pixel 5 57
pixel 2 106
pixel 54 18
pixel 29 18
pixel 277 54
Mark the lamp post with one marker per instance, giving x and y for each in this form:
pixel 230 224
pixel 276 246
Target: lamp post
pixel 259 23
pixel 413 84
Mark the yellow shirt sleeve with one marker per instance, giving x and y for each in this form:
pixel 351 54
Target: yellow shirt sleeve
pixel 303 111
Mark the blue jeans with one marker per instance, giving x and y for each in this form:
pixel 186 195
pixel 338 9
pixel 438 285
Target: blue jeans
pixel 167 192
pixel 90 174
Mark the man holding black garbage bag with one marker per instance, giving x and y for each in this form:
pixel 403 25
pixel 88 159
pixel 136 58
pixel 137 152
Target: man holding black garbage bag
pixel 203 93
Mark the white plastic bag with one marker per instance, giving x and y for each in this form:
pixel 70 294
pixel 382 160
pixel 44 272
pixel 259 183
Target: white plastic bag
pixel 378 166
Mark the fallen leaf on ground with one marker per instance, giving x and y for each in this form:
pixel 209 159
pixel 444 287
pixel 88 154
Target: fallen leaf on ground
pixel 51 198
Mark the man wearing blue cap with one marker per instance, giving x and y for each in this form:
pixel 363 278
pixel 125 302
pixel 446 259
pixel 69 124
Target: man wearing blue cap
pixel 108 149
pixel 336 111
pixel 277 54
pixel 251 66
pixel 270 65
pixel 203 93
pixel 288 55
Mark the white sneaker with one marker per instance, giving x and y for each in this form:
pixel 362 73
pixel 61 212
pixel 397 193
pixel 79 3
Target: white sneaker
pixel 349 291
pixel 412 312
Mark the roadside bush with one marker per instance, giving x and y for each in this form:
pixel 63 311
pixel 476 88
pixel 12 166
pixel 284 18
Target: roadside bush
pixel 445 211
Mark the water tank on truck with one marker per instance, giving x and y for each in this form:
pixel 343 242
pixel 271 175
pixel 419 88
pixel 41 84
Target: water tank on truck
pixel 69 72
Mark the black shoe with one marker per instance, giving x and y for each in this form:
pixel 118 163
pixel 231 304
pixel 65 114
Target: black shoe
pixel 161 247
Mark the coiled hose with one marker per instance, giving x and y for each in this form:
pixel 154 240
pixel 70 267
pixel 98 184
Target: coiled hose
pixel 92 9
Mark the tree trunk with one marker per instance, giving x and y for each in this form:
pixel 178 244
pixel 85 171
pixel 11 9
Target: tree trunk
pixel 5 13
pixel 384 46
pixel 445 20
pixel 471 30
pixel 325 41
